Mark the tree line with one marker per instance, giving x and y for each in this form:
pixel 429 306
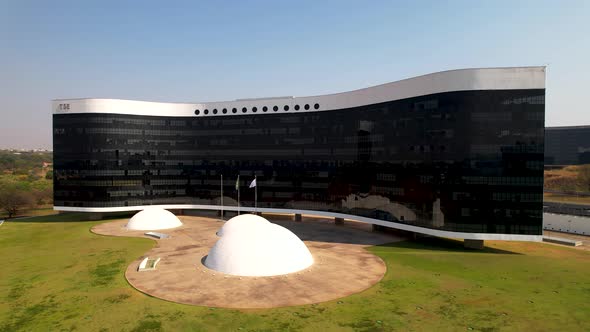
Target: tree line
pixel 26 180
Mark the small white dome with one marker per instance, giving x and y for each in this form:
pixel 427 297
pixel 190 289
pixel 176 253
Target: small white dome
pixel 153 218
pixel 252 246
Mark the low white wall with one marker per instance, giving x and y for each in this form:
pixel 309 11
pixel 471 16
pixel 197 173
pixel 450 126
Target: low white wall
pixel 566 223
pixel 390 224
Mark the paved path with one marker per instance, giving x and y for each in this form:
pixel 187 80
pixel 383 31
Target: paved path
pixel 342 266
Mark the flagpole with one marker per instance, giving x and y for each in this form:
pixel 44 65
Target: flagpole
pixel 221 196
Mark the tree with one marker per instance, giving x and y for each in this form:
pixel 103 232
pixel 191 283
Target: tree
pixel 42 195
pixel 12 200
pixel 32 177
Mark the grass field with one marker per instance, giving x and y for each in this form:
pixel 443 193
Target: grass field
pixel 57 276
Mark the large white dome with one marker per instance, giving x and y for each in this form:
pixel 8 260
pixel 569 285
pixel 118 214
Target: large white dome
pixel 153 218
pixel 250 245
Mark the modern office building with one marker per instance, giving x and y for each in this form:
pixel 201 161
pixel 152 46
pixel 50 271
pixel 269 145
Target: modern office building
pixel 567 145
pixel 456 154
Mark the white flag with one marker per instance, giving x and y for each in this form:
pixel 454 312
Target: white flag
pixel 253 183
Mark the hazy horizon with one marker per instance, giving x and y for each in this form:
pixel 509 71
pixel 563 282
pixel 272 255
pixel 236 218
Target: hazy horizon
pixel 186 52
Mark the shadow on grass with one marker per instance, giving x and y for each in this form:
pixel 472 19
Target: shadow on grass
pixel 444 245
pixel 70 217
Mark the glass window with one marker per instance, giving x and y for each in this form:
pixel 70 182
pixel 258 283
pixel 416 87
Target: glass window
pixel 439 175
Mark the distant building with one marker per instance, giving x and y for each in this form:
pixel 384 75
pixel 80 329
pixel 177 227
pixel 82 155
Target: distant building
pixel 567 145
pixel 456 154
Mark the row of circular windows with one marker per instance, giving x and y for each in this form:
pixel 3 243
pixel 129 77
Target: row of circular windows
pixel 255 109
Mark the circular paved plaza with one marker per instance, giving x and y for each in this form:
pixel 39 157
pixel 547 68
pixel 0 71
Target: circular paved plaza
pixel 342 265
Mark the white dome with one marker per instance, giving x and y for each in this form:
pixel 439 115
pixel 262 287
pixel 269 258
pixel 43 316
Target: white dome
pixel 244 223
pixel 153 218
pixel 250 245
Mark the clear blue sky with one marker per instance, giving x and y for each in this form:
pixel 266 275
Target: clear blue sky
pixel 223 50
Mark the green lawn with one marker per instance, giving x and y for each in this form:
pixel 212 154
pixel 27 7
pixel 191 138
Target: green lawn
pixel 57 276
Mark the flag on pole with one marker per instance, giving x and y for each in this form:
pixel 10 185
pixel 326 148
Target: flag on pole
pixel 253 185
pixel 238 190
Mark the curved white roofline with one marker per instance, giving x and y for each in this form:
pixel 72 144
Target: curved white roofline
pixel 390 224
pixel 511 78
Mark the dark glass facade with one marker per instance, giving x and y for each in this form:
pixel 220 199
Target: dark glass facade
pixel 469 161
pixel 567 145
